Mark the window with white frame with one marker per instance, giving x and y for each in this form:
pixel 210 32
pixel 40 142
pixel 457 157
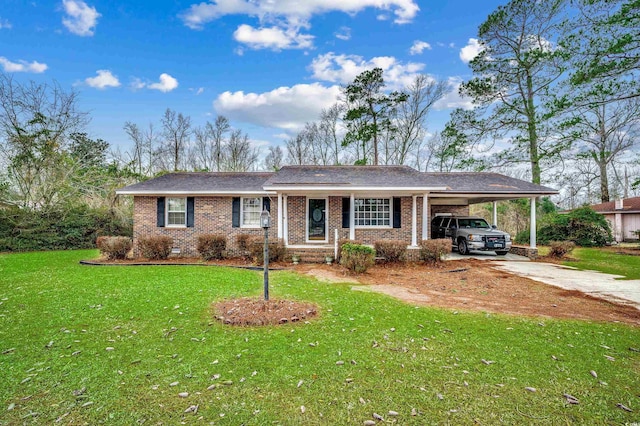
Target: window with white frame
pixel 372 212
pixel 251 209
pixel 176 212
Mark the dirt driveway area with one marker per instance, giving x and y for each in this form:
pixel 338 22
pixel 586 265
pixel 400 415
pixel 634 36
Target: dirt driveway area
pixel 472 284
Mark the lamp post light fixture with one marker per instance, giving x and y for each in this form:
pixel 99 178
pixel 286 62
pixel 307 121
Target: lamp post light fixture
pixel 265 223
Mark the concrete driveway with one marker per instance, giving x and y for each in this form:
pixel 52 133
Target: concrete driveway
pixel 486 255
pixel 597 284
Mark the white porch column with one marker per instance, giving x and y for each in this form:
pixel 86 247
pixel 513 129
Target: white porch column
pixel 532 224
pixel 285 221
pixel 425 217
pixel 495 213
pixel 280 215
pixel 352 217
pixel 414 222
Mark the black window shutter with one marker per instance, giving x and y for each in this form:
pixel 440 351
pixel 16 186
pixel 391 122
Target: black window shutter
pixel 397 213
pixel 190 211
pixel 235 212
pixel 160 212
pixel 266 204
pixel 346 208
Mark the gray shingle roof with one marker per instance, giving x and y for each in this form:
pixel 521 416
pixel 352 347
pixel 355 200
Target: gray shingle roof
pixel 335 177
pixel 199 183
pixel 483 182
pixel 345 176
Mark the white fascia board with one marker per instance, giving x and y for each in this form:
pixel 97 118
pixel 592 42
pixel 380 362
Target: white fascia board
pixel 509 195
pixel 185 193
pixel 348 189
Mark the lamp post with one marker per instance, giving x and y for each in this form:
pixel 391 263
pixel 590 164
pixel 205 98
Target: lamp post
pixel 265 223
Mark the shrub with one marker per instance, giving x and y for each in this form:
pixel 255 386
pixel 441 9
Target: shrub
pixel 434 250
pixel 560 249
pixel 357 258
pixel 242 241
pixel 60 228
pixel 157 247
pixel 342 242
pixel 393 251
pixel 583 226
pixel 255 245
pixel 114 247
pixel 211 246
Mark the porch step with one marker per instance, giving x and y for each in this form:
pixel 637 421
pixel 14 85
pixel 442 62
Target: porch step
pixel 311 255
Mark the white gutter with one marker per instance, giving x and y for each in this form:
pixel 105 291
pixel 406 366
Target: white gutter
pixel 211 193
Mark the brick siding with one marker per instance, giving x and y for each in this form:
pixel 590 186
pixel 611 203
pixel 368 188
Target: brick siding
pixel 213 215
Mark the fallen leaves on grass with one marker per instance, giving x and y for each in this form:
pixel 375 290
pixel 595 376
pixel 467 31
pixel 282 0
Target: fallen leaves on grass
pixel 251 312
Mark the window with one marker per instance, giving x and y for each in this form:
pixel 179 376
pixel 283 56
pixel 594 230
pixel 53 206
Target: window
pixel 176 212
pixel 372 212
pixel 251 209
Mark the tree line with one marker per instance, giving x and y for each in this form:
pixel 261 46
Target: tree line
pixel 555 94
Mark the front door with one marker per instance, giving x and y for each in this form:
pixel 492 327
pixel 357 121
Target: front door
pixel 317 220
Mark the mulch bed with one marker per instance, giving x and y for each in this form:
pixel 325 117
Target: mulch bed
pixel 258 312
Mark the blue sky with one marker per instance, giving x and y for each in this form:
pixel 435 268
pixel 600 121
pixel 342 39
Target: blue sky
pixel 268 65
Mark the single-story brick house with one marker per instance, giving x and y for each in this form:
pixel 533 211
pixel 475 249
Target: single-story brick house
pixel 623 216
pixel 311 205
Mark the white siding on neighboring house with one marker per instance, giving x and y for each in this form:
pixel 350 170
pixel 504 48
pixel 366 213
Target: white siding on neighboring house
pixel 630 224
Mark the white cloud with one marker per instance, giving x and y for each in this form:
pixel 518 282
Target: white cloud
pixel 81 18
pixel 166 83
pixel 453 99
pixel 470 51
pixel 5 24
pixel 293 11
pixel 286 108
pixel 22 66
pixel 103 80
pixel 344 33
pixel 274 38
pixel 344 69
pixel 418 47
pixel 137 84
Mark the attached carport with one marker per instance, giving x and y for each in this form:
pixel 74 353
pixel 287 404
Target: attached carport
pixel 467 188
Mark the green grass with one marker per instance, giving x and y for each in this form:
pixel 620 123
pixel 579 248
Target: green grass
pixel 608 262
pixel 404 357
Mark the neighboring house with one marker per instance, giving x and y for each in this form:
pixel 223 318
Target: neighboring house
pixel 310 205
pixel 623 216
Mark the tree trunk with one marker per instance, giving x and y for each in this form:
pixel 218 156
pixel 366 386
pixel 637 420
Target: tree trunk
pixel 533 133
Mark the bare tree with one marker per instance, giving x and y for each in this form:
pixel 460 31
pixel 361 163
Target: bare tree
pixel 176 129
pixel 35 123
pixel 297 150
pixel 606 131
pixel 273 160
pixel 411 121
pixel 328 128
pixel 141 155
pixel 240 156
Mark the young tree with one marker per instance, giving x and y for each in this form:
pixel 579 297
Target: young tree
pixel 514 75
pixel 369 110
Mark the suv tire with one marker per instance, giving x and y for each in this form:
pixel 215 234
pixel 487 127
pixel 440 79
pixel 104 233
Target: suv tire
pixel 501 253
pixel 462 246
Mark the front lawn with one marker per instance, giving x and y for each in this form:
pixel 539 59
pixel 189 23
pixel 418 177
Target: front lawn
pixel 606 260
pixel 138 344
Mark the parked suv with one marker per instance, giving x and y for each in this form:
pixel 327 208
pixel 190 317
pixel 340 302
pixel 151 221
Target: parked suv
pixel 471 233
